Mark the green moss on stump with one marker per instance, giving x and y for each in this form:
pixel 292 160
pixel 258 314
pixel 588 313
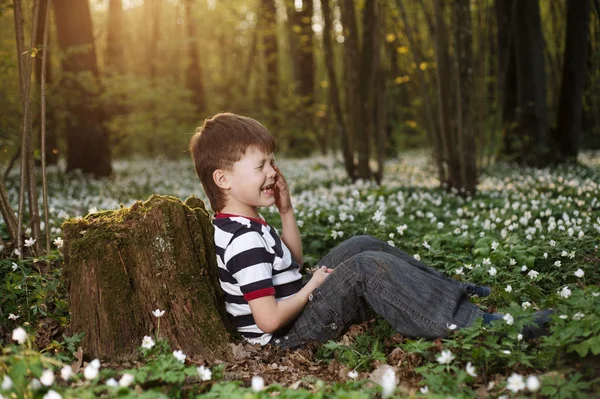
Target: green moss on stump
pixel 122 264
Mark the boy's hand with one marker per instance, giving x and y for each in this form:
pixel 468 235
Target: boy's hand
pixel 319 276
pixel 283 199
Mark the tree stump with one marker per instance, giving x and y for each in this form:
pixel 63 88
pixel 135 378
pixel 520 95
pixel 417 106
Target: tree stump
pixel 121 265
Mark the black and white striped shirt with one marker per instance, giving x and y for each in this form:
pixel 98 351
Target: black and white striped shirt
pixel 253 263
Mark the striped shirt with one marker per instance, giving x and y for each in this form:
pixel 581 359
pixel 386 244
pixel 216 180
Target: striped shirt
pixel 253 263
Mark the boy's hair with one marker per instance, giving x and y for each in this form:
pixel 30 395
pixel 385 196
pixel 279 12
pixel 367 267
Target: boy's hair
pixel 220 142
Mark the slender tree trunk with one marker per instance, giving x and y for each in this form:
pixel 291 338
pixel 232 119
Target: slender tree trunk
pixel 43 126
pixel 194 80
pixel 507 72
pixel 334 94
pixel 466 151
pixel 351 55
pixel 28 177
pixel 115 55
pixel 568 127
pixel 531 77
pixel 366 80
pixel 443 90
pixel 87 140
pixel 51 149
pixel 269 18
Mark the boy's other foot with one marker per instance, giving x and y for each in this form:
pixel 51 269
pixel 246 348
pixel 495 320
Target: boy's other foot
pixel 539 325
pixel 489 317
pixel 480 291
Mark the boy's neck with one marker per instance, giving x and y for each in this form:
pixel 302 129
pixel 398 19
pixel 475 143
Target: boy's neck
pixel 249 212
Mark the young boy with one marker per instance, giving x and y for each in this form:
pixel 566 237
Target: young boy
pixel 259 271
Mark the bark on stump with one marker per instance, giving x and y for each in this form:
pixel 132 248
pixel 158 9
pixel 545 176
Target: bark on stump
pixel 121 265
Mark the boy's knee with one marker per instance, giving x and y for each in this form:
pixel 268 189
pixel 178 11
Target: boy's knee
pixel 365 241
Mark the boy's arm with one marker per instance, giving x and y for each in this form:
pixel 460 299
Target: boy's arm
pixel 290 234
pixel 270 315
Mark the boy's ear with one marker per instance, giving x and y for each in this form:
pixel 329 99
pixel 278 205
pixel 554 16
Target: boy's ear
pixel 220 179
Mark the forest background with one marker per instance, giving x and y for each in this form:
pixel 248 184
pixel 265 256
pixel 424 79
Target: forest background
pixel 473 81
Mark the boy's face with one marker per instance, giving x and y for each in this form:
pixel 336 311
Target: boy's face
pixel 250 183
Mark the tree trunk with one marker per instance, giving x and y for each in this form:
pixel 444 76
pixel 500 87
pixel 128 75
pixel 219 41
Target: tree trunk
pixel 351 55
pixel 87 140
pixel 507 72
pixel 121 265
pixel 443 92
pixel 194 81
pixel 568 127
pixel 465 152
pixel 366 81
pixel 51 148
pixel 533 141
pixel 334 94
pixel 268 13
pixel 115 55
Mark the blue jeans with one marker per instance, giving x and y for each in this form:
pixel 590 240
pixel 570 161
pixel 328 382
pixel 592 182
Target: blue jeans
pixel 415 299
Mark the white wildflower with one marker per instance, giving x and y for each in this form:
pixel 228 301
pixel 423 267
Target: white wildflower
pixel 52 394
pixel 471 370
pixel 13 316
pixel 58 242
pixel 258 383
pixel 565 292
pixel 509 319
pixel 90 372
pixel 158 313
pixel 353 374
pixel 388 382
pixel 578 316
pixel 47 377
pixel 492 271
pixel 519 337
pixel 66 372
pixel 179 355
pixel 14 267
pixel 426 245
pixel 20 335
pixel 515 383
pixel 204 373
pixel 7 383
pixel 512 262
pixel 508 288
pixel 147 342
pixel 523 268
pixel 533 383
pixel 424 390
pixel 526 305
pixel 557 263
pixel 29 242
pixel 579 273
pixel 494 246
pixel 111 382
pixel 486 261
pixel 532 274
pixel 126 380
pixel 417 256
pixel 445 357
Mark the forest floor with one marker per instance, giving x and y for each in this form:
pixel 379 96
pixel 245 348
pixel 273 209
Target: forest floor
pixel 532 235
